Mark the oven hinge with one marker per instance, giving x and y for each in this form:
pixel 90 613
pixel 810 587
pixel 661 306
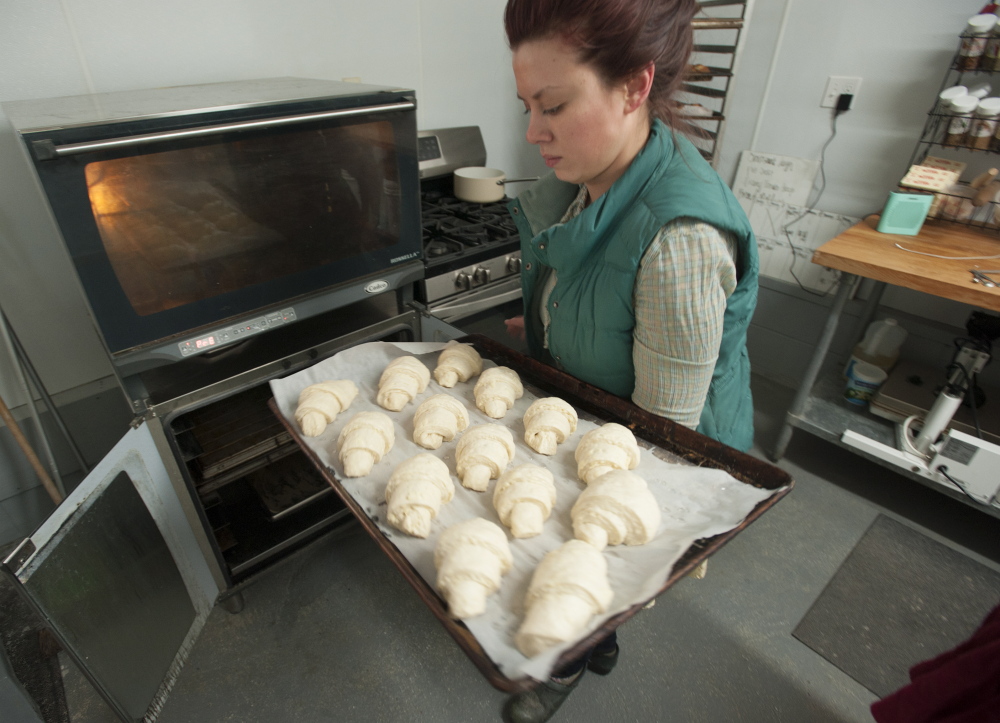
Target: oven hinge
pixel 142 413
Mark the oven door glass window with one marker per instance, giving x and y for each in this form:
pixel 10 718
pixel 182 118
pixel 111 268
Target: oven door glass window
pixel 184 225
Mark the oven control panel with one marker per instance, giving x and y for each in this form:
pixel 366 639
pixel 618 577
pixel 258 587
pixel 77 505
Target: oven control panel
pixel 237 332
pixel 472 277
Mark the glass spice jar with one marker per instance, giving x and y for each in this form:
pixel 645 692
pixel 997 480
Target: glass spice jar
pixel 974 40
pixel 962 109
pixel 984 123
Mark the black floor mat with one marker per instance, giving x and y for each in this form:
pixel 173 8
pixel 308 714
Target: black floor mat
pixel 898 599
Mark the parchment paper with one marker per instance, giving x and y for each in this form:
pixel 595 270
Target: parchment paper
pixel 695 502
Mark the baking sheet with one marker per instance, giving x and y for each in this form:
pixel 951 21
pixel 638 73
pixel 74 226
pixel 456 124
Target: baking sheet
pixel 695 502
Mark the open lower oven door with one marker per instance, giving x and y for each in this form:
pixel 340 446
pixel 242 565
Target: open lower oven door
pixel 118 576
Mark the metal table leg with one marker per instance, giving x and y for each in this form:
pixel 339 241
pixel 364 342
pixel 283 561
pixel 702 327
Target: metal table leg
pixel 819 355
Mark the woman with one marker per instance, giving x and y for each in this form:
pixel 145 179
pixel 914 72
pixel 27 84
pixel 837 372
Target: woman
pixel 639 268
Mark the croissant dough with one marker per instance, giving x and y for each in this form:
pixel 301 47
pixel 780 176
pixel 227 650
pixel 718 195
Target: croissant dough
pixel 496 391
pixel 457 363
pixel 438 419
pixel 319 404
pixel 608 447
pixel 403 378
pixel 482 454
pixel 417 488
pixel 523 499
pixel 547 423
pixel 471 557
pixel 363 441
pixel 616 508
pixel 569 586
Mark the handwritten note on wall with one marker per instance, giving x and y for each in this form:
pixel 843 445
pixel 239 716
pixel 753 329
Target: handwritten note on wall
pixel 774 191
pixel 767 177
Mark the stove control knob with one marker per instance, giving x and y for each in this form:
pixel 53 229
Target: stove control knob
pixel 514 264
pixel 481 276
pixel 463 281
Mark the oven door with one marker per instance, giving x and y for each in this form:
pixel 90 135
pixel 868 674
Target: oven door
pixel 484 298
pixel 485 310
pixel 118 576
pixel 173 224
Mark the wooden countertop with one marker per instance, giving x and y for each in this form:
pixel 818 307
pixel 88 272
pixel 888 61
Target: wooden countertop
pixel 864 251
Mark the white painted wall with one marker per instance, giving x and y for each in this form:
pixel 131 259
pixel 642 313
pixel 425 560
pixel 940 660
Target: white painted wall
pixel 900 51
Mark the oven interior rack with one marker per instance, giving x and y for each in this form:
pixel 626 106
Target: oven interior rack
pixel 259 493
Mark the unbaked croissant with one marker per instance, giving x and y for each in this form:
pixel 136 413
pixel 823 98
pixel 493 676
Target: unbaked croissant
pixel 470 558
pixel 608 447
pixel 547 423
pixel 482 454
pixel 417 488
pixel 404 378
pixel 496 391
pixel 319 404
pixel 438 419
pixel 363 441
pixel 616 508
pixel 523 499
pixel 569 586
pixel 457 363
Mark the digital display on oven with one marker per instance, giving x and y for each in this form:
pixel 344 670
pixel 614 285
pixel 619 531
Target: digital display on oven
pixel 236 332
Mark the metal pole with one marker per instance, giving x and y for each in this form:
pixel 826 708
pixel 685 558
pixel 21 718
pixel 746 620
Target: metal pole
pixel 5 333
pixel 37 381
pixel 815 364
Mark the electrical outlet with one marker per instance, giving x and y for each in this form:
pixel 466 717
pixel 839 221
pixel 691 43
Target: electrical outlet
pixel 836 85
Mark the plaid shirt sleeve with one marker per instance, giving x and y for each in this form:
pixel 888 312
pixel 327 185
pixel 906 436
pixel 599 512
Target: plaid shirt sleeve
pixel 684 280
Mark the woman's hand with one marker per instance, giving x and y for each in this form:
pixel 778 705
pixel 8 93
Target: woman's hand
pixel 515 327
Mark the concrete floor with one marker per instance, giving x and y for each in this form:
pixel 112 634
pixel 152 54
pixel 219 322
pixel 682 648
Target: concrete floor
pixel 334 633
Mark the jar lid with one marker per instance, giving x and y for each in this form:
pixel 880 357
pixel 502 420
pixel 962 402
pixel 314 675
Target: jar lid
pixel 988 107
pixel 964 104
pixel 955 91
pixel 981 24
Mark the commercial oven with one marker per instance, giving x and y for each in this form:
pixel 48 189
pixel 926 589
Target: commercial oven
pixel 223 235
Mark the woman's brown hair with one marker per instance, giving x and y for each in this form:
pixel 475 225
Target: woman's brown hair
pixel 617 38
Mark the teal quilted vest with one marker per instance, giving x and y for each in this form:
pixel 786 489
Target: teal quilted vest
pixel 596 257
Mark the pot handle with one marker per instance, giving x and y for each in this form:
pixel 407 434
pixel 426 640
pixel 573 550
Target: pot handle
pixel 515 180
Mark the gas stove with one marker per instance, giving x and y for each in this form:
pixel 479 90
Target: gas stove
pixel 471 250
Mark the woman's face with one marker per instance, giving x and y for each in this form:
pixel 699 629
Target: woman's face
pixel 586 131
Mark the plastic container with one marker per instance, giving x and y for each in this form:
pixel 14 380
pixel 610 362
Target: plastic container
pixel 991 55
pixel 977 31
pixel 979 90
pixel 962 109
pixel 880 346
pixel 946 96
pixel 863 381
pixel 984 124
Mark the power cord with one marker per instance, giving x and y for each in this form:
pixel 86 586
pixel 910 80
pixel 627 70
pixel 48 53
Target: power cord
pixel 944 471
pixel 843 105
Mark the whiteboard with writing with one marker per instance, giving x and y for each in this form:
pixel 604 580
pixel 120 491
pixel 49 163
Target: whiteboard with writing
pixel 788 235
pixel 773 191
pixel 768 177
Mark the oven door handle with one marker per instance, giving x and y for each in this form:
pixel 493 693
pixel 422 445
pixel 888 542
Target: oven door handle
pixel 459 309
pixel 47 150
